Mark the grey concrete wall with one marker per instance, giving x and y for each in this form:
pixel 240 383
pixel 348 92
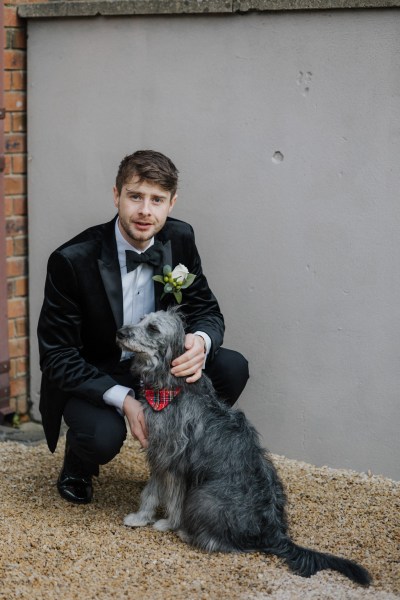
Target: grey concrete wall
pixel 286 131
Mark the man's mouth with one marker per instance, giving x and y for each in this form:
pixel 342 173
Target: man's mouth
pixel 142 225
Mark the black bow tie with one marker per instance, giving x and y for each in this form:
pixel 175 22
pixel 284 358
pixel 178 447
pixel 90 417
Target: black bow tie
pixel 152 256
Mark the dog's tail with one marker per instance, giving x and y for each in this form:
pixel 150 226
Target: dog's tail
pixel 306 562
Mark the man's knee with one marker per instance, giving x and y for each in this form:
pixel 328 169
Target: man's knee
pixel 229 372
pixel 107 442
pixel 94 435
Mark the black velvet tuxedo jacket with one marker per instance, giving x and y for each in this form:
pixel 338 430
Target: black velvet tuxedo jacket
pixel 83 309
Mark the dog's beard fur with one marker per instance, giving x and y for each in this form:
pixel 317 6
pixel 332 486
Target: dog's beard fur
pixel 220 490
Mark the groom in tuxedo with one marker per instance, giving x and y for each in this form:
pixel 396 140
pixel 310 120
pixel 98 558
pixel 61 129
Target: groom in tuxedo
pixel 103 279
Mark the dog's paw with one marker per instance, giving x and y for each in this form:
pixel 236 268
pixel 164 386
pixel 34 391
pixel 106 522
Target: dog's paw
pixel 185 537
pixel 162 525
pixel 137 520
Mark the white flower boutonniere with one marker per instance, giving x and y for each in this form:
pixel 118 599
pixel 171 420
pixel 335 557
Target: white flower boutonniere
pixel 175 280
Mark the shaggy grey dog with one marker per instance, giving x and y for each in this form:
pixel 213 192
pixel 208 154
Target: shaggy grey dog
pixel 219 488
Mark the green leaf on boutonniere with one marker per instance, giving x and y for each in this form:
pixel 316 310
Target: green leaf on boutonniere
pixel 189 280
pixel 178 297
pixel 159 278
pixel 166 270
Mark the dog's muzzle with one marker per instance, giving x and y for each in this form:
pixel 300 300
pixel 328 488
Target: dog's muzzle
pixel 124 333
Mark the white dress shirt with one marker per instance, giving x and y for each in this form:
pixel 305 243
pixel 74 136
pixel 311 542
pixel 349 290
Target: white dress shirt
pixel 138 300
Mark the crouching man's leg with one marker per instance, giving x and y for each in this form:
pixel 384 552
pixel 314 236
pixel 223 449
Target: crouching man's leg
pixel 94 437
pixel 229 372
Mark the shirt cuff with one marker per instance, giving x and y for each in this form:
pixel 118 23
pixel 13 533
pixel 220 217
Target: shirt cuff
pixel 115 396
pixel 207 341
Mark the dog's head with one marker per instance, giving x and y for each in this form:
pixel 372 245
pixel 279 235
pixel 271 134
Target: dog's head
pixel 155 342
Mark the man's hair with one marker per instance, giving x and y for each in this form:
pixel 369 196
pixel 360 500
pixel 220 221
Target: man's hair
pixel 148 165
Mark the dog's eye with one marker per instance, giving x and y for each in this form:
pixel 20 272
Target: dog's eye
pixel 151 328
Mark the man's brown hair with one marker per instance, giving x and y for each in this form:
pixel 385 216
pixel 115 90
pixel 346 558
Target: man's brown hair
pixel 148 165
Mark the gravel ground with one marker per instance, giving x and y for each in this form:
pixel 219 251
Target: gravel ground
pixel 50 549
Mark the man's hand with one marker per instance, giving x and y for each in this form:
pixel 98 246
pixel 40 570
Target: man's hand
pixel 190 363
pixel 133 411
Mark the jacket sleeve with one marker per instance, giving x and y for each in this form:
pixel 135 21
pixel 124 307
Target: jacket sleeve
pixel 59 336
pixel 199 305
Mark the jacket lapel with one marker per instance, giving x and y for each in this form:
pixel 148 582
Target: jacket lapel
pixel 167 260
pixel 110 273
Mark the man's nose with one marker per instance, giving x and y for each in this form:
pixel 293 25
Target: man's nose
pixel 145 207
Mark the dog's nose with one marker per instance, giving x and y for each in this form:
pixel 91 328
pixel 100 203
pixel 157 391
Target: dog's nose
pixel 122 333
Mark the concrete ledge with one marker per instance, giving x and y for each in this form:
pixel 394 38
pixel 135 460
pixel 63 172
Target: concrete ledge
pixel 62 8
pixel 28 433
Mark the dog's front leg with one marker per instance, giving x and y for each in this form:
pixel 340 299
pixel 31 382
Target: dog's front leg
pixel 149 501
pixel 174 491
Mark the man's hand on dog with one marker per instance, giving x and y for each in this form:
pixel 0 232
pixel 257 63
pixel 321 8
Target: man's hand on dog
pixel 134 413
pixel 190 364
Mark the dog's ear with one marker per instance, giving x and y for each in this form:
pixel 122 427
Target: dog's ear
pixel 177 310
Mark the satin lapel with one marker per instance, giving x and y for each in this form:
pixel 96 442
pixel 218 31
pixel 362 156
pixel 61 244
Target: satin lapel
pixel 111 274
pixel 167 260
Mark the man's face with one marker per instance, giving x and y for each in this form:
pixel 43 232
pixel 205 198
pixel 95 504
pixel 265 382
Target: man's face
pixel 143 209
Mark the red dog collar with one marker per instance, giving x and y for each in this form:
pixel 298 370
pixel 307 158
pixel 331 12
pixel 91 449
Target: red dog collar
pixel 159 399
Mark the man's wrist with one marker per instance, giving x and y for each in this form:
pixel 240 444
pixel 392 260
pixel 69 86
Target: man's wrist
pixel 207 341
pixel 116 395
pixel 204 342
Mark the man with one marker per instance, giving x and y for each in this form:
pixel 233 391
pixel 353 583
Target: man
pixel 101 280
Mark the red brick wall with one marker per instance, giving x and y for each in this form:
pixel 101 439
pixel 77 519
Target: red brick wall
pixel 16 204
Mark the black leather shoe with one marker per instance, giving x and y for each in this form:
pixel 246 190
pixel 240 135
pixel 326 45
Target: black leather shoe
pixel 74 484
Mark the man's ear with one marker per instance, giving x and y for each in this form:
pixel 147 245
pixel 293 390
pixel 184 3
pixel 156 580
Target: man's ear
pixel 116 197
pixel 172 202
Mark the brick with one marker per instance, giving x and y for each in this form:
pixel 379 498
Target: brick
pixel 14 59
pixel 22 366
pixel 21 287
pixel 13 367
pixel 11 18
pixel 19 163
pixel 7 166
pixel 7 38
pixel 11 333
pixel 22 406
pixel 18 79
pixel 10 288
pixel 19 206
pixel 15 143
pixel 14 184
pixel 20 246
pixel 9 247
pixel 7 123
pixel 18 40
pixel 18 386
pixel 16 307
pixel 20 327
pixel 18 347
pixel 15 101
pixel 16 226
pixel 16 266
pixel 8 206
pixel 18 122
pixel 7 80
